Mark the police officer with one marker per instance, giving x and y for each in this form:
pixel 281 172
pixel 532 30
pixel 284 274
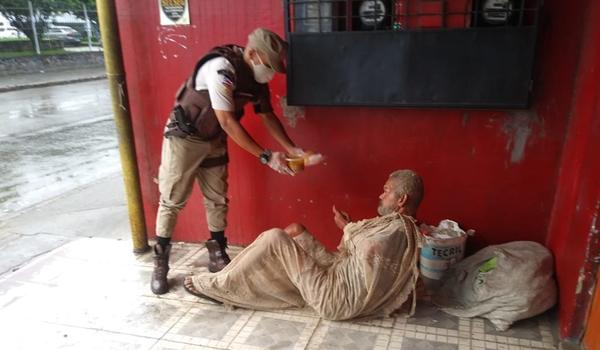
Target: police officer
pixel 208 108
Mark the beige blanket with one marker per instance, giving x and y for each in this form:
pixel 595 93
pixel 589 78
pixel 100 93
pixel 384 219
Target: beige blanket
pixel 372 273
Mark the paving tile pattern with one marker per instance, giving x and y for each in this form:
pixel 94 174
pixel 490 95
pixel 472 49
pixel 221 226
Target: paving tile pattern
pixel 94 294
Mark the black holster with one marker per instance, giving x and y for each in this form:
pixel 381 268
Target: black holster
pixel 183 121
pixel 180 124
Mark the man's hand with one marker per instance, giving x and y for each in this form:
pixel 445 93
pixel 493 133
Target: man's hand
pixel 278 163
pixel 341 218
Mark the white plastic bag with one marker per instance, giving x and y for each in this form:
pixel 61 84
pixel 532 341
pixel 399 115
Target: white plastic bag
pixel 503 283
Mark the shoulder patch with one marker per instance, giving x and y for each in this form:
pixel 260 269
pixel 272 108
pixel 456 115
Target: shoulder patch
pixel 226 78
pixel 227 74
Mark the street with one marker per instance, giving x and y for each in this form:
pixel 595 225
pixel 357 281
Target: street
pixel 54 139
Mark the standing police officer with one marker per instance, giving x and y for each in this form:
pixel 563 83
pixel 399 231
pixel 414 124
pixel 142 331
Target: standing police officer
pixel 208 108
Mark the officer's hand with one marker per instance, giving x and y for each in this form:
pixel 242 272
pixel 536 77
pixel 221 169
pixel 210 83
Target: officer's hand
pixel 296 152
pixel 278 163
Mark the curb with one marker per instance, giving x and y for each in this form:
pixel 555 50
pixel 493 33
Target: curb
pixel 49 83
pixel 7 217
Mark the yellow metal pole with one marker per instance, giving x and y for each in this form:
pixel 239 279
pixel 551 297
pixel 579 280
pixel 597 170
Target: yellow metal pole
pixel 109 30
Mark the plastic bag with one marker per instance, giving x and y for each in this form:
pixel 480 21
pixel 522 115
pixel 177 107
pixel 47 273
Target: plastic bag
pixel 503 283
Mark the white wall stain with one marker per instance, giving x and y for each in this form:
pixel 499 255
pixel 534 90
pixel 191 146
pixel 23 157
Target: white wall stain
pixel 580 280
pixel 518 128
pixel 291 113
pixel 465 119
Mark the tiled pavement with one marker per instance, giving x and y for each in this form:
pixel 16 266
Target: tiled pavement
pixel 94 294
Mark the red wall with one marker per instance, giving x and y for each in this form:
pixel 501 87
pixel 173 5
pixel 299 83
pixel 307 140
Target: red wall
pixel 493 171
pixel 578 190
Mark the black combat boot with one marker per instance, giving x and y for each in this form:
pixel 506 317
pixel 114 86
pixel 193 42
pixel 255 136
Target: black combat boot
pixel 159 284
pixel 217 256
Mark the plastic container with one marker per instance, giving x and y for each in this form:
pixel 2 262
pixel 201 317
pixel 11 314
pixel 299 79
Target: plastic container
pixel 443 246
pixel 295 163
pixel 298 163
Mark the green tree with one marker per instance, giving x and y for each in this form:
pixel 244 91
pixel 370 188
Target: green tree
pixel 17 13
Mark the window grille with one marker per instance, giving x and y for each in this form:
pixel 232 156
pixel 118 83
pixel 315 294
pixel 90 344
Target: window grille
pixel 420 53
pixel 319 16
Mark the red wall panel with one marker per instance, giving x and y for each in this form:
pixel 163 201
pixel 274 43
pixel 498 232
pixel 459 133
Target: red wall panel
pixel 494 171
pixel 578 190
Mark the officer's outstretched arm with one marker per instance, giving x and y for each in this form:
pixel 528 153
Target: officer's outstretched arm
pixel 275 128
pixel 237 132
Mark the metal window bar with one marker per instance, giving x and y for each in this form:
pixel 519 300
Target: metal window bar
pixel 521 13
pixel 319 12
pixel 475 16
pixel 318 16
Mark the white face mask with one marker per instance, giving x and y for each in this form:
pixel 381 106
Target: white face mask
pixel 262 73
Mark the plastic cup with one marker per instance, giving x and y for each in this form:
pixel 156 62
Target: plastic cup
pixel 295 164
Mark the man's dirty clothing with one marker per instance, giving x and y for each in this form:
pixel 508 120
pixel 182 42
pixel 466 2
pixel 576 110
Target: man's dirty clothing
pixel 372 273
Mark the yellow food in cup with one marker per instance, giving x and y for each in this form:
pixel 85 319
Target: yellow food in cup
pixel 296 164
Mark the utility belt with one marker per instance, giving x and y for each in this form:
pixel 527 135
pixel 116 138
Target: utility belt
pixel 215 161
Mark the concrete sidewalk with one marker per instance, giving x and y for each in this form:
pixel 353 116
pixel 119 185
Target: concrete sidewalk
pixel 95 210
pixel 69 280
pixel 41 79
pixel 93 293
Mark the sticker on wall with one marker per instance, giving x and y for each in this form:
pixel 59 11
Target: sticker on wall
pixel 174 12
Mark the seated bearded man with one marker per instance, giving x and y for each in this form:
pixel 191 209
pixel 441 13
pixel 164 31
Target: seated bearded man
pixel 371 275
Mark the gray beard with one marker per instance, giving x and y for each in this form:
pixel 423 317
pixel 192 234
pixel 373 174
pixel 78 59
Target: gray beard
pixel 381 210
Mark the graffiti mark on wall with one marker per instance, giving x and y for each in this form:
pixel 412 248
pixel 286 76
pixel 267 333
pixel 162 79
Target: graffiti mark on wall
pixel 172 44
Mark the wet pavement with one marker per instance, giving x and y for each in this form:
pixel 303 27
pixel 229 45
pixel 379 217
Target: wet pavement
pixel 59 168
pixel 54 139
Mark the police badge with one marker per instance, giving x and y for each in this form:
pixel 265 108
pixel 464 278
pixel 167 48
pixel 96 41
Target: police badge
pixel 174 12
